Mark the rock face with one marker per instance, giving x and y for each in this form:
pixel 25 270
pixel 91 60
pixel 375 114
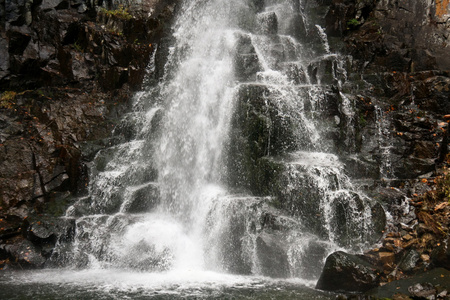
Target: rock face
pixel 401 69
pixel 67 72
pixel 68 69
pixel 400 61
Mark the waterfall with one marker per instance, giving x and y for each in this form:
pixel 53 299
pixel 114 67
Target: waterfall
pixel 229 162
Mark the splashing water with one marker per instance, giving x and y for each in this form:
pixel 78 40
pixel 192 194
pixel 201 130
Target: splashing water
pixel 178 196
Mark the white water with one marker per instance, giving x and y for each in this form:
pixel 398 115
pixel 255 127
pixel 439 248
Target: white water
pixel 192 229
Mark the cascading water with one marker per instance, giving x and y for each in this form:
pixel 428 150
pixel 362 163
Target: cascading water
pixel 230 165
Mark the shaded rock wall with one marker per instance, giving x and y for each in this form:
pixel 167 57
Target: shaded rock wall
pixel 399 72
pixel 67 72
pixel 399 86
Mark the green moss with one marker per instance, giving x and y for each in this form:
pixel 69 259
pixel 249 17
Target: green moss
pixel 362 121
pixel 353 22
pixel 7 99
pixel 77 47
pixel 120 13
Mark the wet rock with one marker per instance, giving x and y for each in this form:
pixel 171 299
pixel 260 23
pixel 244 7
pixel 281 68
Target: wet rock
pixel 39 233
pixel 268 23
pixel 230 251
pixel 409 261
pixel 271 255
pixel 142 199
pixel 379 221
pixel 313 256
pixel 246 63
pixel 437 279
pixel 54 4
pixel 425 290
pixel 347 273
pixel 257 129
pixel 69 81
pixel 10 226
pixel 440 257
pixel 387 258
pixel 435 95
pixel 26 254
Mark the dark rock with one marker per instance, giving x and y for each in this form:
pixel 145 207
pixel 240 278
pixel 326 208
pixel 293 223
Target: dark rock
pixel 337 17
pixel 425 290
pixel 10 226
pixel 142 199
pixel 413 167
pixel 271 255
pixel 246 62
pixel 297 27
pixel 436 277
pixel 70 80
pixel 258 129
pixel 409 261
pixel 436 94
pixel 54 4
pixel 314 255
pixel 379 222
pixel 38 233
pixel 347 273
pixel 440 257
pixel 268 23
pixel 26 254
pixel 230 254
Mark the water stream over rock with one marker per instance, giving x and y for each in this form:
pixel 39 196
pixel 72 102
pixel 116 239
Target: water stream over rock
pixel 230 165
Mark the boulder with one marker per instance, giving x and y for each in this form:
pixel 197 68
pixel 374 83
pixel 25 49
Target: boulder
pixel 345 272
pixel 26 254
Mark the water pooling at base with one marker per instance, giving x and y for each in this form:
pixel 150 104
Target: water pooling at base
pixel 230 169
pixel 120 284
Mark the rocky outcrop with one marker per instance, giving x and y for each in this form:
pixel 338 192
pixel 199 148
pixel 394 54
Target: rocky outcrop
pixel 400 73
pixel 67 71
pixel 400 68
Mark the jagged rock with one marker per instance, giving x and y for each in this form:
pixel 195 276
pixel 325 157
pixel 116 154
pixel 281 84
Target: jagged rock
pixel 68 80
pixel 347 273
